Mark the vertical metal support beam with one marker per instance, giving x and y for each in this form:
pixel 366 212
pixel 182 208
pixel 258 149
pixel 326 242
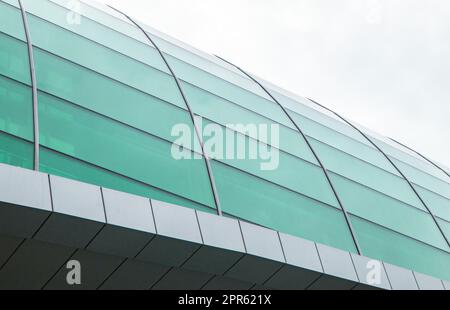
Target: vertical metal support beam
pixel 425 158
pixel 391 162
pixel 33 86
pixel 346 216
pixel 191 113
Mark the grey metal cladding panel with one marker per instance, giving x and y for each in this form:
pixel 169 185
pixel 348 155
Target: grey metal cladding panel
pixel 176 222
pixel 24 188
pixel 181 279
pixel 337 263
pixel 33 265
pixel 24 201
pixel 128 211
pixel 95 269
pixel 371 272
pixel 77 199
pixel 400 278
pixel 262 242
pixel 130 225
pixel 300 252
pixel 224 245
pixel 446 285
pixel 427 282
pixel 135 275
pixel 221 232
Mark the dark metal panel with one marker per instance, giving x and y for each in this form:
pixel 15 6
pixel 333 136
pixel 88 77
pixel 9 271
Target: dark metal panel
pixel 134 275
pixel 95 268
pixel 32 265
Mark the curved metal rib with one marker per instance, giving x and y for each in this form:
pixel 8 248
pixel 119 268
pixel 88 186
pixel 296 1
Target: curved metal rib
pixel 347 219
pixel 425 158
pixel 391 162
pixel 191 113
pixel 33 86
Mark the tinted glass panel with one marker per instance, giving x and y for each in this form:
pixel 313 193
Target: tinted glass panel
pixel 224 112
pixel 16 152
pixel 65 166
pixel 16 109
pixel 343 142
pixel 388 212
pixel 361 172
pixel 111 19
pixel 381 243
pixel 423 179
pixel 14 59
pixel 89 29
pixel 439 205
pixel 11 18
pixel 98 58
pixel 445 226
pixel 119 148
pixel 267 162
pixel 266 204
pixel 228 91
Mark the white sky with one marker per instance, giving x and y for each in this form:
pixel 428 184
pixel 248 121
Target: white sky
pixel 382 63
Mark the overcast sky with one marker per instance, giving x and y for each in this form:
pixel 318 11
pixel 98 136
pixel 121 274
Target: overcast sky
pixel 382 63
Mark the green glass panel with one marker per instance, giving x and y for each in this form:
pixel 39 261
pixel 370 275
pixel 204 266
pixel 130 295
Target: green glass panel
pixel 369 175
pixel 112 19
pixel 11 18
pixel 105 96
pixel 16 152
pixel 439 205
pixel 445 226
pixel 296 107
pixel 271 206
pixel 87 28
pixel 388 212
pixel 383 244
pixel 14 59
pixel 64 79
pixel 97 58
pixel 119 148
pixel 424 179
pixel 228 91
pixel 16 109
pixel 225 113
pixel 269 163
pixel 64 166
pixel 206 62
pixel 408 157
pixel 343 142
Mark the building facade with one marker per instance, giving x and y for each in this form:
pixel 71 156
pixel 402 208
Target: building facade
pixel 91 95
